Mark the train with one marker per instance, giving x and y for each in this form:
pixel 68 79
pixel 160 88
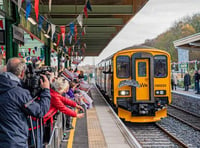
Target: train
pixel 136 81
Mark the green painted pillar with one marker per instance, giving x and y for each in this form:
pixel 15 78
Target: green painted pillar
pixel 9 37
pixel 47 53
pixel 11 47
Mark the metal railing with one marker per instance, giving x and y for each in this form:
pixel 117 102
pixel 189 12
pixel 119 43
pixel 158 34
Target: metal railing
pixel 57 133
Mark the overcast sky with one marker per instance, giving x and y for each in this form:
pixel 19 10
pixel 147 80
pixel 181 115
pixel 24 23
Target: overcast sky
pixel 153 19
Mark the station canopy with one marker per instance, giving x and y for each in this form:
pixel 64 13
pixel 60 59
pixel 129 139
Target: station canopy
pixel 104 21
pixel 191 42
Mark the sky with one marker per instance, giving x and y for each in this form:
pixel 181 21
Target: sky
pixel 153 19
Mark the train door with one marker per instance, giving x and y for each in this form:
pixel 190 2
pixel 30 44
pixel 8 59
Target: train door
pixel 142 76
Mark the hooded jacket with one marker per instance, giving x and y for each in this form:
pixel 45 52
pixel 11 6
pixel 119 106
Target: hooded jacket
pixel 13 114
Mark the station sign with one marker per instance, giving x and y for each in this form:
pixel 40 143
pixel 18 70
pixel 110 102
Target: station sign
pixel 18 35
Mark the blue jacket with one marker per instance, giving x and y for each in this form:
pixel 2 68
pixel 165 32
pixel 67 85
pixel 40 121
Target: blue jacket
pixel 13 114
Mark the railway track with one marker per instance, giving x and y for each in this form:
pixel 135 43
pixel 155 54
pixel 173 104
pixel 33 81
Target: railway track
pixel 153 135
pixel 184 116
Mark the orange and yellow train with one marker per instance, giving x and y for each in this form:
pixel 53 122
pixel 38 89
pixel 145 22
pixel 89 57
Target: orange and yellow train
pixel 136 81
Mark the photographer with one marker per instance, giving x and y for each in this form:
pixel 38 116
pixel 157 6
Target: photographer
pixel 13 97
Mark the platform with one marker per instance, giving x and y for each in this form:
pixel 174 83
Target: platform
pixel 101 128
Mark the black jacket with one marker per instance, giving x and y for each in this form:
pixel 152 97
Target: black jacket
pixel 13 114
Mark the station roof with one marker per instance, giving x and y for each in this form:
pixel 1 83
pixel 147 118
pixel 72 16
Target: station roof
pixel 104 21
pixel 191 42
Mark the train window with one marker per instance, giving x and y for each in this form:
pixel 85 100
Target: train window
pixel 123 66
pixel 160 66
pixel 142 69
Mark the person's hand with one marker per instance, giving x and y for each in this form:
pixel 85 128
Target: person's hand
pixel 81 115
pixel 45 82
pixel 80 107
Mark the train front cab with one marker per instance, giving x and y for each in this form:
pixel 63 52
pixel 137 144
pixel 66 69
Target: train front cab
pixel 146 103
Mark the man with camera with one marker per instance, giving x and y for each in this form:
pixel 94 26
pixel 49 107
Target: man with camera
pixel 13 112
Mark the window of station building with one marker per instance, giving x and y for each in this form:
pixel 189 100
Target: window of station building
pixel 32 51
pixel 142 69
pixel 123 67
pixel 160 66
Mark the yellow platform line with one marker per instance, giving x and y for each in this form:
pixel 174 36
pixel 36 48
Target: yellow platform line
pixel 71 135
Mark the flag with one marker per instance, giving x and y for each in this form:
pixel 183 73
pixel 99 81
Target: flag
pixel 1 24
pixel 68 74
pixel 76 61
pixel 84 86
pixel 85 11
pixel 2 48
pixel 75 30
pixel 62 29
pixel 48 28
pixel 58 39
pixel 19 5
pixel 28 8
pixel 70 39
pixel 69 51
pixel 89 6
pixel 36 9
pixel 50 1
pixel 80 20
pixel 53 28
pixel 71 26
pixel 41 19
pixel 31 36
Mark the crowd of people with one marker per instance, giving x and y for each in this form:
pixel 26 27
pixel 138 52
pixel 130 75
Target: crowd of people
pixel 186 81
pixel 23 125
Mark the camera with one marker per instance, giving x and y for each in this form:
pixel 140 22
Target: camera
pixel 33 76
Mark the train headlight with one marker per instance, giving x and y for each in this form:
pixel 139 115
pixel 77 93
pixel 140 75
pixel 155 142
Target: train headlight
pixel 160 92
pixel 124 92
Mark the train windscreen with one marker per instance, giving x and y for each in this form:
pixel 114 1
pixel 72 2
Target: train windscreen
pixel 123 67
pixel 160 66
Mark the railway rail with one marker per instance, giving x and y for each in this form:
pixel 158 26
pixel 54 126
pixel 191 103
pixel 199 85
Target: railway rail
pixel 153 135
pixel 184 116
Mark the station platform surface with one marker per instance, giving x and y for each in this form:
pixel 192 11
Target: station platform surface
pixel 99 129
pixel 190 92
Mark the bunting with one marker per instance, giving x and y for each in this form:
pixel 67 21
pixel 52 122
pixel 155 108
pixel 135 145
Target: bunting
pixel 71 26
pixel 85 11
pixel 36 9
pixel 88 5
pixel 69 51
pixel 53 28
pixel 41 19
pixel 62 29
pixel 28 8
pixel 80 20
pixel 2 48
pixel 48 28
pixel 19 5
pixel 58 39
pixel 50 1
pixel 76 32
pixel 31 36
pixel 1 24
